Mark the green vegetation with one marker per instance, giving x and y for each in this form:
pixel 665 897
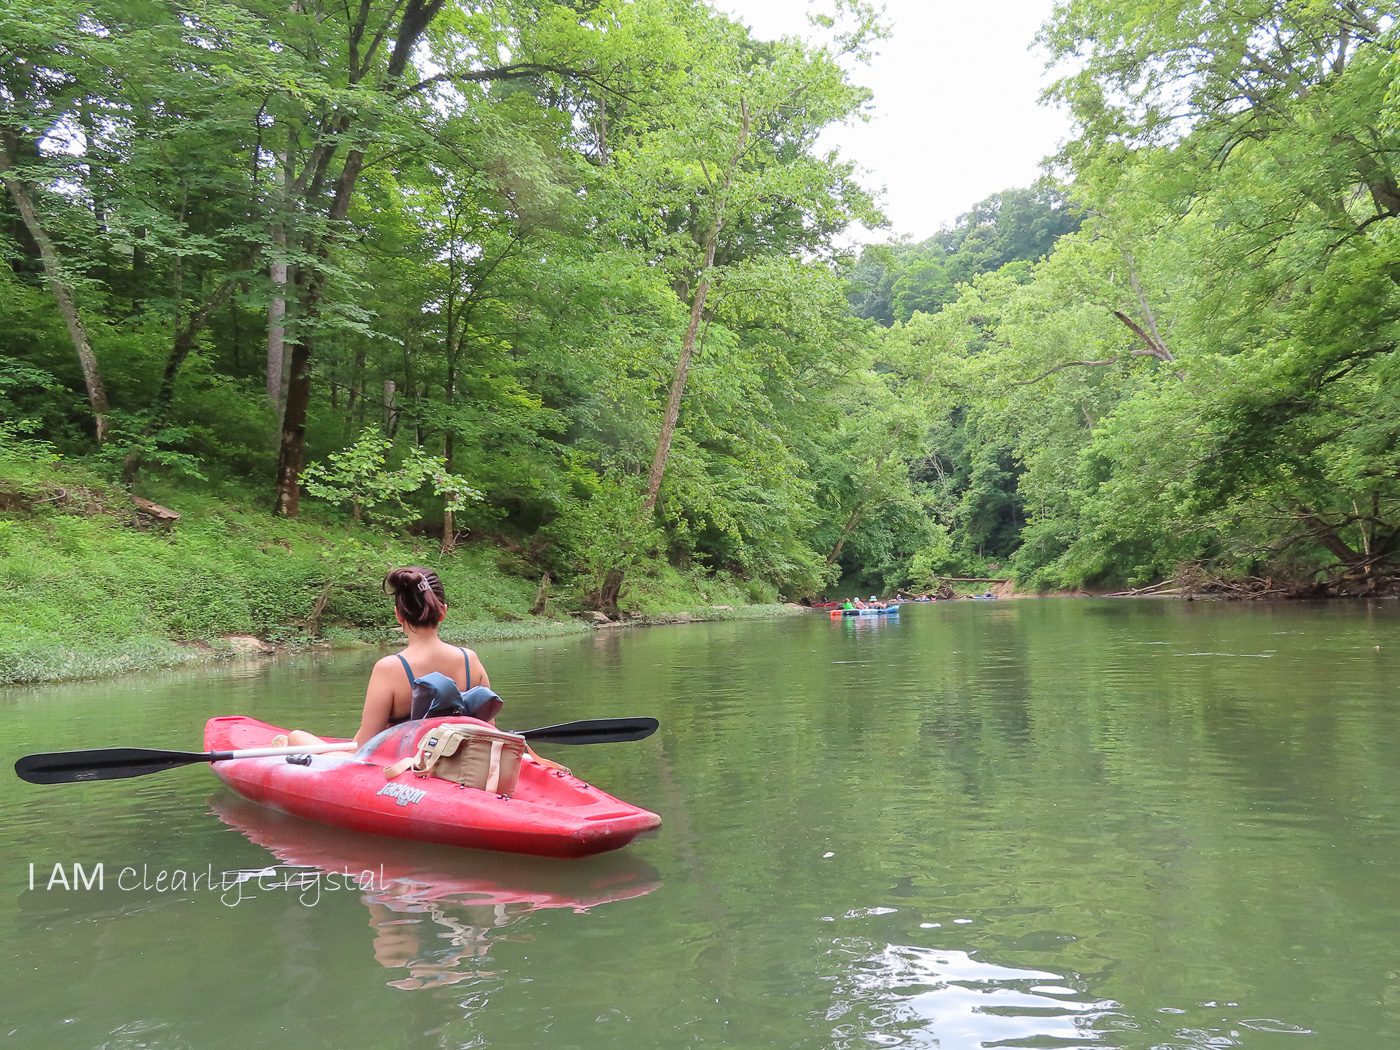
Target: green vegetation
pixel 94 586
pixel 1195 387
pixel 551 290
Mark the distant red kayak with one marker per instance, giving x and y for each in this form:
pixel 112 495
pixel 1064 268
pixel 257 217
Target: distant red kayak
pixel 551 813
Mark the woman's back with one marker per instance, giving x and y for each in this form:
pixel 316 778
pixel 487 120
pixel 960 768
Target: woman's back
pixel 429 655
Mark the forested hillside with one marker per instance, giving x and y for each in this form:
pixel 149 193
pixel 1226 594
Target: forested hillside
pixel 566 279
pixel 1201 383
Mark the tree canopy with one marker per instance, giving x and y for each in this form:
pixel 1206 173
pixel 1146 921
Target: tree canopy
pixel 569 278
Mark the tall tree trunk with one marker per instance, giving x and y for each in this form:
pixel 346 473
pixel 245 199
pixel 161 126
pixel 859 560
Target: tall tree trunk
pixel 277 306
pixel 412 22
pixel 449 451
pixel 678 380
pixel 236 336
pixel 311 289
pixel 850 527
pixel 449 524
pixel 62 291
pixel 391 408
pixel 138 270
pixel 293 443
pixel 697 310
pixel 276 314
pixel 449 520
pixel 179 350
pixel 354 400
pixel 606 597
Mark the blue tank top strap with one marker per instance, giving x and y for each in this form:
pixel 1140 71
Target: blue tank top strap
pixel 407 670
pixel 467 656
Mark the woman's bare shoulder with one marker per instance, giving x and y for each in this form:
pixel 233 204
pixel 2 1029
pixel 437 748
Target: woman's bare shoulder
pixel 388 663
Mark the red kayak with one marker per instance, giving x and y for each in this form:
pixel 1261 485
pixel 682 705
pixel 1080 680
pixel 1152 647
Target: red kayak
pixel 552 813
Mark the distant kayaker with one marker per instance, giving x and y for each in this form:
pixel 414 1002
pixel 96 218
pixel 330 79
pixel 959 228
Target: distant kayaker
pixel 420 603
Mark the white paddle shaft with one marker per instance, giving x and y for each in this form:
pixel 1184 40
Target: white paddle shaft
pixel 294 749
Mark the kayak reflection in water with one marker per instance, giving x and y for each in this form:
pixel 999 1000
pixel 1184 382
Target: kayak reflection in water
pixel 427 667
pixel 437 912
pixel 431 944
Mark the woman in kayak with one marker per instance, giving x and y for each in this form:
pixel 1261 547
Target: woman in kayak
pixel 420 603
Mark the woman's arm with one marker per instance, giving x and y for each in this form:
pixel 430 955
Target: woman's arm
pixel 479 677
pixel 479 672
pixel 379 699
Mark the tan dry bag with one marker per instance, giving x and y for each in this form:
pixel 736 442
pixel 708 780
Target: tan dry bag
pixel 475 756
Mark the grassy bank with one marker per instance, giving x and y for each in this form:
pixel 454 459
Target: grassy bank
pixel 95 588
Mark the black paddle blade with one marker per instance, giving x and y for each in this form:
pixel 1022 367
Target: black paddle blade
pixel 594 731
pixel 113 763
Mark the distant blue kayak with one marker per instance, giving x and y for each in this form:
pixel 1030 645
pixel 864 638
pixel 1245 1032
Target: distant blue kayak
pixel 889 610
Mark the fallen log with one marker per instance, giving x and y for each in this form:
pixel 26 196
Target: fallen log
pixel 148 513
pixel 1165 587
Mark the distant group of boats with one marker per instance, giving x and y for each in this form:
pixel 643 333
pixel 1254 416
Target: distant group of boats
pixel 886 610
pixel 875 606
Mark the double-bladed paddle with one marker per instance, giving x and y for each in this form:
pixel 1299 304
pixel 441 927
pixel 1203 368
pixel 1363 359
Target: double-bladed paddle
pixel 593 731
pixel 116 763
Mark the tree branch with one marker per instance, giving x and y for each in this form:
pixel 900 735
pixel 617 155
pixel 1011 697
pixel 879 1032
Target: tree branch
pixel 514 71
pixel 1083 364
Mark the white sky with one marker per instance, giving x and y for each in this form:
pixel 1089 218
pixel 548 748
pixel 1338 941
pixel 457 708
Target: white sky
pixel 956 116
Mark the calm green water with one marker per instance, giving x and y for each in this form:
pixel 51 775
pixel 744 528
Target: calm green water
pixel 986 824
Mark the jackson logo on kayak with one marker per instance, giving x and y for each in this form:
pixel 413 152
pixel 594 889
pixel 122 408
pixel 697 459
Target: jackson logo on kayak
pixel 402 793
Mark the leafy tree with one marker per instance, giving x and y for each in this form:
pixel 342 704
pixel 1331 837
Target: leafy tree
pixel 712 170
pixel 363 476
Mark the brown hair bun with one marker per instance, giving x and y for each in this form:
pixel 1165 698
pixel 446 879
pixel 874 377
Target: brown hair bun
pixel 418 595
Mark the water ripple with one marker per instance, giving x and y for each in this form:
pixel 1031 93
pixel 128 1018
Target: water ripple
pixel 905 995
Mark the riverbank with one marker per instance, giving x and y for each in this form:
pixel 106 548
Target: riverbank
pixel 97 583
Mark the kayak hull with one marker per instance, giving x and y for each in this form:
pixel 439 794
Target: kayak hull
pixel 551 813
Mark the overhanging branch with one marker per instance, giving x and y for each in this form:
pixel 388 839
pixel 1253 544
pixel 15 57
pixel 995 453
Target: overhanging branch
pixel 1083 364
pixel 514 71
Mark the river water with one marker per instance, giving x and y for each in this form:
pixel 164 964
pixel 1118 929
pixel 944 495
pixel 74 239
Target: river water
pixel 981 824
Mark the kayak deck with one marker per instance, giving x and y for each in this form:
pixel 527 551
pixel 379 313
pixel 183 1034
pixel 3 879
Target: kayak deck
pixel 552 813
